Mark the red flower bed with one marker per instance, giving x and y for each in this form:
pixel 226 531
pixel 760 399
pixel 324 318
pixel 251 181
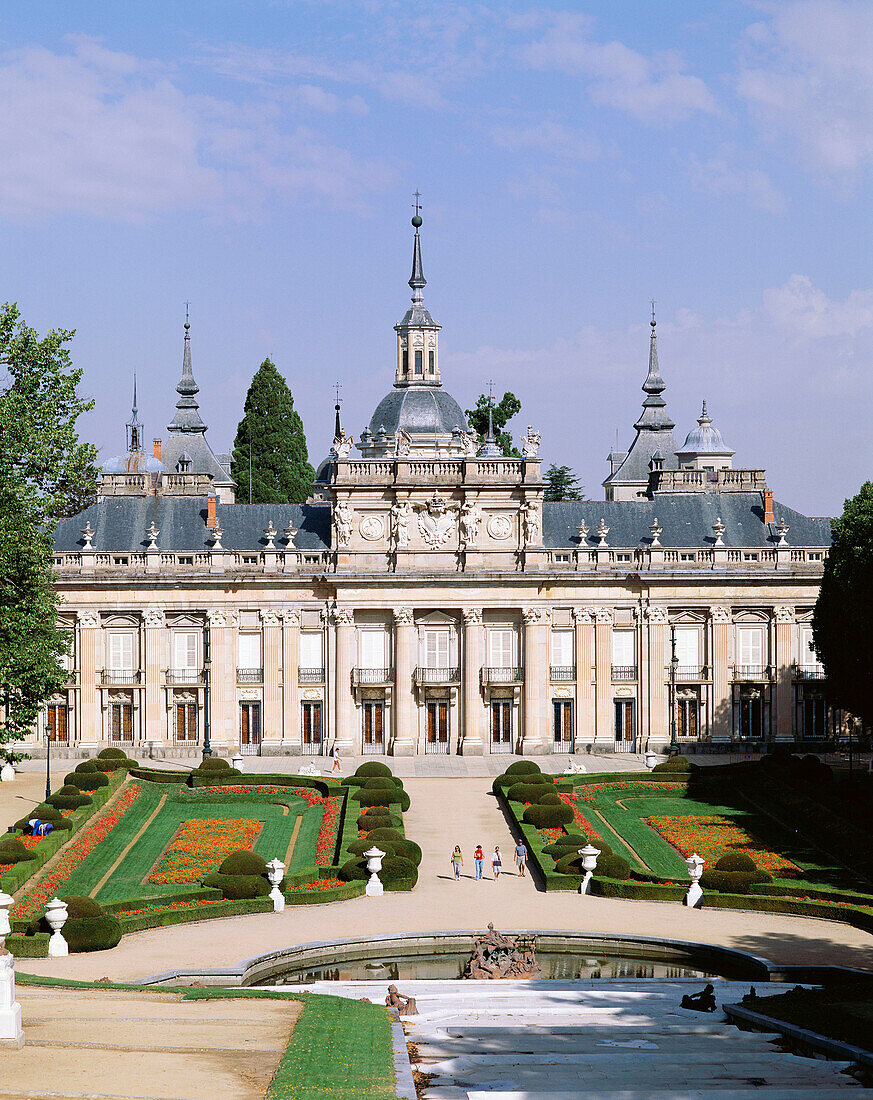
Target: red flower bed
pixel 309 796
pixel 200 845
pixel 99 828
pixel 325 844
pixel 318 884
pixel 582 823
pixel 169 907
pixel 713 836
pixel 586 793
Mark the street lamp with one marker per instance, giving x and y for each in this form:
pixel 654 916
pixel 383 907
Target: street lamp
pixel 48 778
pixel 207 668
pixel 674 664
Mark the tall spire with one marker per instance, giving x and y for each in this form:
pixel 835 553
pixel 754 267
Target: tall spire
pixel 654 414
pixel 338 428
pixel 134 427
pixel 187 418
pixel 417 344
pixel 417 280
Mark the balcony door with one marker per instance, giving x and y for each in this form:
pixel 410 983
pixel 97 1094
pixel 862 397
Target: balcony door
pixel 562 725
pixel 311 732
pixel 250 729
pixel 501 654
pixel 435 648
pixel 56 722
pixel 501 725
pixel 186 722
pixel 372 656
pixel 625 729
pixel 373 719
pixel 121 722
pixel 121 657
pixel 437 726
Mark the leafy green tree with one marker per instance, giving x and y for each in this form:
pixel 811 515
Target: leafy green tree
pixel 502 412
pixel 562 484
pixel 843 619
pixel 46 473
pixel 272 429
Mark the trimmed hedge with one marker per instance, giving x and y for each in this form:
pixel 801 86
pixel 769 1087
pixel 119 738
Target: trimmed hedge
pixel 736 861
pixel 382 798
pixel 548 817
pixel 232 778
pixel 28 947
pixel 397 873
pixel 238 887
pixel 12 850
pixel 385 834
pixel 46 813
pixel 243 863
pixel 572 842
pixel 406 849
pixel 170 917
pixel 112 753
pixel 526 792
pixel 373 768
pixel 69 797
pixel 87 781
pixel 675 764
pixel 86 766
pixel 214 764
pixel 87 928
pixel 523 767
pixel 159 775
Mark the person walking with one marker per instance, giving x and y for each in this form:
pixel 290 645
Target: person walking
pixel 336 758
pixel 496 863
pixel 520 857
pixel 457 861
pixel 478 859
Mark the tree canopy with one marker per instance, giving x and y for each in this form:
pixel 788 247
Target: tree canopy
pixel 272 431
pixel 843 619
pixel 562 484
pixel 46 473
pixel 502 412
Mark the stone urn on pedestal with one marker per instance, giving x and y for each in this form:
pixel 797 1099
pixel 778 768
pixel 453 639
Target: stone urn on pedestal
pixel 589 856
pixel 374 859
pixel 237 762
pixel 7 772
pixel 275 873
pixel 651 759
pixel 695 869
pixel 11 1034
pixel 56 915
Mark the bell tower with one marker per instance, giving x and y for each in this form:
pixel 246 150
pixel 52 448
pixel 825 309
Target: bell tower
pixel 418 361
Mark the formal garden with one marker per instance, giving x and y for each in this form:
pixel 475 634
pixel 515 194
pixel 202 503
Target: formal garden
pixel 132 847
pixel 779 835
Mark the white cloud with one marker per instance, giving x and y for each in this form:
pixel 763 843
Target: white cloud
pixel 105 134
pixel 808 76
pixel 718 176
pixel 652 89
pixel 548 137
pixel 807 311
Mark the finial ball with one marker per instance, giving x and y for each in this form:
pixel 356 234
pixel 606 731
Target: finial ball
pixel 416 221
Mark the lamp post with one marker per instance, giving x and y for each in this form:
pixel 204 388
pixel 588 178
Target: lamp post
pixel 207 668
pixel 48 775
pixel 674 662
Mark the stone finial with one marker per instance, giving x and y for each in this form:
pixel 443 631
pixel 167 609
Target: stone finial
pixel 217 532
pixel 582 530
pixel 718 529
pixel 270 533
pixel 656 530
pixel 152 536
pixel 782 530
pixel 275 874
pixel 56 915
pixel 88 535
pixel 602 531
pixel 290 534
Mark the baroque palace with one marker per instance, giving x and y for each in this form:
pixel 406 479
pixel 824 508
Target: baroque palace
pixel 428 600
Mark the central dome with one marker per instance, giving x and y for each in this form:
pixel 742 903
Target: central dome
pixel 418 410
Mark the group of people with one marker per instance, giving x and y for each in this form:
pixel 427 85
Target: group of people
pixel 519 855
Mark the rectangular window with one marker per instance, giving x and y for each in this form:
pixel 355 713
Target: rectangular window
pixel 501 648
pixel 405 361
pixel 430 361
pixel 437 725
pixel 687 647
pixel 121 722
pixel 688 716
pixel 373 723
pixel 562 648
pixel 624 723
pixel 501 725
pixel 310 651
pixel 418 362
pixel 56 722
pixel 751 707
pixel 435 645
pixel 121 652
pixel 249 651
pixel 623 648
pixel 311 716
pixel 750 646
pixel 249 724
pixel 373 649
pixel 185 650
pixel 562 721
pixel 186 722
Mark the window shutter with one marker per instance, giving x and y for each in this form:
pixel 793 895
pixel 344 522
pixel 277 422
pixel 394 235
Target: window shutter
pixel 562 648
pixel 623 648
pixel 500 648
pixel 121 652
pixel 249 651
pixel 688 646
pixel 751 646
pixel 372 643
pixel 310 650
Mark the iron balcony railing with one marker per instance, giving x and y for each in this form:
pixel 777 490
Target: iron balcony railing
pixel 752 672
pixel 684 673
pixel 186 676
pixel 624 672
pixel 310 675
pixel 121 676
pixel 373 675
pixel 437 675
pixel 559 673
pixel 249 675
pixel 493 675
pixel 809 672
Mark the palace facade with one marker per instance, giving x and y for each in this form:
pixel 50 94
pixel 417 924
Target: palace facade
pixel 428 600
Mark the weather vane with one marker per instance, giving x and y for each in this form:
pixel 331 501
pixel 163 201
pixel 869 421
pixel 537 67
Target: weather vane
pixel 652 300
pixel 490 385
pixel 417 203
pixel 338 386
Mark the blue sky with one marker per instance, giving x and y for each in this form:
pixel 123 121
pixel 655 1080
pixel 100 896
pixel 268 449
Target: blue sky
pixel 258 159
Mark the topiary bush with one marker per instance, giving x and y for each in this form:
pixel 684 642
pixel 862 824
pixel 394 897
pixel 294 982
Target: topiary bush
pixel 382 783
pixel 733 873
pixel 243 862
pixel 538 778
pixel 86 766
pixel 395 797
pixel 405 849
pixel 526 792
pixel 87 781
pixel 214 764
pixel 548 817
pixel 572 842
pixel 12 850
pixel 112 753
pixel 609 865
pixel 549 798
pixel 396 871
pixel 87 927
pixel 675 764
pixel 522 767
pixel 69 797
pixel 373 768
pixel 570 863
pixel 46 813
pixel 735 861
pixel 385 834
pixel 238 887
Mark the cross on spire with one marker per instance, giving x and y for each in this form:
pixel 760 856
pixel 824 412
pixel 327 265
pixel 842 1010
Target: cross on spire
pixel 417 203
pixel 652 300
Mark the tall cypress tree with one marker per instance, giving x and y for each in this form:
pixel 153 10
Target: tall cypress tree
pixel 280 469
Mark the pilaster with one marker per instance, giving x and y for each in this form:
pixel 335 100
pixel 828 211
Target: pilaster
pixel 344 733
pixel 605 720
pixel 90 720
pixel 784 615
pixel 291 728
pixel 658 732
pixel 154 725
pixel 406 726
pixel 584 650
pixel 224 733
pixel 471 743
pixel 272 658
pixel 720 618
pixel 535 682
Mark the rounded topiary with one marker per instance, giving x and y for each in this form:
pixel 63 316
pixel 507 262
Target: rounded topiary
pixel 548 817
pixel 382 783
pixel 46 813
pixel 385 834
pixel 372 769
pixel 526 792
pixel 407 849
pixel 69 797
pixel 538 778
pixel 674 764
pixel 214 764
pixel 86 766
pixel 368 821
pixel 112 753
pixel 609 865
pixel 395 797
pixel 13 850
pixel 522 767
pixel 90 781
pixel 569 864
pixel 735 861
pixel 395 871
pixel 87 927
pixel 569 843
pixel 238 887
pixel 243 863
pixel 549 798
pixel 109 760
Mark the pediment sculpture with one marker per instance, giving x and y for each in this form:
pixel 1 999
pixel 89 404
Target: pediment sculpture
pixel 437 520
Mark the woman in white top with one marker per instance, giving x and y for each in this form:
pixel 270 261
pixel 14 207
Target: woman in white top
pixel 496 863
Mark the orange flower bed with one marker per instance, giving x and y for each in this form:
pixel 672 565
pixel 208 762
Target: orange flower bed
pixel 200 845
pixel 713 837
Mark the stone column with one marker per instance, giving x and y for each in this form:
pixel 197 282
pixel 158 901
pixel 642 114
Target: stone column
pixel 658 733
pixel 344 732
pixel 721 681
pixel 90 728
pixel 534 730
pixel 405 715
pixel 782 724
pixel 291 728
pixel 605 718
pixel 472 740
pixel 271 655
pixel 223 719
pixel 584 652
pixel 154 721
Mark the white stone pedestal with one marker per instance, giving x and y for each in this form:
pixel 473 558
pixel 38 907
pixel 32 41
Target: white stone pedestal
pixel 11 1033
pixel 7 773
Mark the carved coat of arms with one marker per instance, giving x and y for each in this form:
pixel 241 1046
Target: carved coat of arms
pixel 437 521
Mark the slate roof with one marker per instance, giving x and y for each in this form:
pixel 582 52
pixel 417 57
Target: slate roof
pixel 418 408
pixel 686 519
pixel 120 525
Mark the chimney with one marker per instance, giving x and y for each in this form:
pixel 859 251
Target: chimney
pixel 768 506
pixel 156 444
pixel 211 521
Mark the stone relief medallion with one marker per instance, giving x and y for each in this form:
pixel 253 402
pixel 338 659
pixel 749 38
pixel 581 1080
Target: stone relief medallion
pixel 499 527
pixel 250 693
pixel 624 692
pixel 372 528
pixel 311 693
pixel 563 693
